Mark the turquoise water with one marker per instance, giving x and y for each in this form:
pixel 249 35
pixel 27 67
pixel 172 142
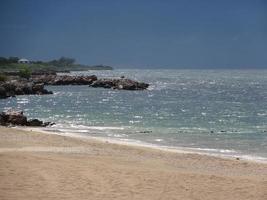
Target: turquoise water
pixel 222 111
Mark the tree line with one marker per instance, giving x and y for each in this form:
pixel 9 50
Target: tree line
pixel 61 62
pixel 9 60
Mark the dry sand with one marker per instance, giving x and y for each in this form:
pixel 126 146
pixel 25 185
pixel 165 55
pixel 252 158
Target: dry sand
pixel 41 166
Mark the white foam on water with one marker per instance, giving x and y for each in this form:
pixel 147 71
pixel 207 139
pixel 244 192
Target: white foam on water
pixel 105 128
pixel 23 101
pixel 214 150
pixel 222 153
pixel 138 117
pixel 83 127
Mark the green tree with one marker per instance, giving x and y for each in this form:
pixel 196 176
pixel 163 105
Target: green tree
pixel 63 62
pixel 3 60
pixel 25 72
pixel 13 59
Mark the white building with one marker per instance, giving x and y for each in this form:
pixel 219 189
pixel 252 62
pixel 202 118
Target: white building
pixel 23 60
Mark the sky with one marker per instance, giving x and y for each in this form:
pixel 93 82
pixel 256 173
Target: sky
pixel 184 34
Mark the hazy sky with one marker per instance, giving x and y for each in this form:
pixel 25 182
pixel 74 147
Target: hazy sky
pixel 138 33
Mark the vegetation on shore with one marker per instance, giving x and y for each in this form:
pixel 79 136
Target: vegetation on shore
pixel 25 72
pixel 3 77
pixel 59 65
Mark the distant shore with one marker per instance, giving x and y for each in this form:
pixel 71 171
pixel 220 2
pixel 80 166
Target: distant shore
pixel 13 65
pixel 36 165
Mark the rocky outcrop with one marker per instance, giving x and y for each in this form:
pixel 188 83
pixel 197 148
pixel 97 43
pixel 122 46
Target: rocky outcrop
pixel 64 80
pixel 18 119
pixel 37 122
pixel 47 79
pixel 120 84
pixel 74 80
pixel 92 81
pixel 36 84
pixel 12 88
pixel 3 93
pixel 13 117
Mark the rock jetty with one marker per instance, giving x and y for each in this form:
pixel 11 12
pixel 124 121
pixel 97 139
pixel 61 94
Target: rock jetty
pixel 12 88
pixel 92 81
pixel 17 118
pixel 120 84
pixel 64 80
pixel 35 85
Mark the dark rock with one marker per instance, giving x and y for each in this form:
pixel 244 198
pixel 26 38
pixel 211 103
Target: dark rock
pixel 27 87
pixel 13 117
pixel 145 132
pixel 13 88
pixel 19 91
pixel 45 79
pixel 38 87
pixel 35 122
pixel 3 93
pixel 74 80
pixel 17 118
pixel 9 86
pixel 120 84
pixel 64 80
pixel 105 83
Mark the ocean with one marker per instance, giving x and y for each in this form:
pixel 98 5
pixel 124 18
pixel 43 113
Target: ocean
pixel 219 112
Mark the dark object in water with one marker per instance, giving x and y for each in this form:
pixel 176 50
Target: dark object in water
pixel 64 80
pixel 17 118
pixel 120 84
pixel 13 88
pixel 145 132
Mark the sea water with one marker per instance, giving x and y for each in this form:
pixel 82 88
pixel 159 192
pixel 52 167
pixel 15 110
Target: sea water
pixel 220 112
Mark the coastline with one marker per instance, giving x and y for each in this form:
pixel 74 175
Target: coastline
pixel 50 166
pixel 137 143
pixel 238 135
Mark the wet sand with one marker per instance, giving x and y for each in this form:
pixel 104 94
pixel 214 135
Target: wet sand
pixel 36 165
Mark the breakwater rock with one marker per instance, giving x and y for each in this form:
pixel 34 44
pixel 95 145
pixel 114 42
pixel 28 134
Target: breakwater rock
pixel 13 88
pixel 64 80
pixel 92 81
pixel 17 118
pixel 120 84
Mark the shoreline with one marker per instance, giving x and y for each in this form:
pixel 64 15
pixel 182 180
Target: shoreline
pixel 38 165
pixel 138 143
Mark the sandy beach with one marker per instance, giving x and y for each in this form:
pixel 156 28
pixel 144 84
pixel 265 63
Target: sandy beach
pixel 36 165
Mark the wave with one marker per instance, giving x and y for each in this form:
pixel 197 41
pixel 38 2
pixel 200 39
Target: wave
pixel 120 139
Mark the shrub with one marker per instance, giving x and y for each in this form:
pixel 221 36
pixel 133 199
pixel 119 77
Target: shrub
pixel 25 72
pixel 3 77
